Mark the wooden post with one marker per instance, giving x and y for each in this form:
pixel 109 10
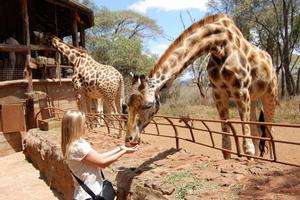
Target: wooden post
pixel 82 36
pixel 75 31
pixel 26 37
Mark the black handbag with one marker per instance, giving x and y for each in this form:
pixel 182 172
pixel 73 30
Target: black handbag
pixel 107 192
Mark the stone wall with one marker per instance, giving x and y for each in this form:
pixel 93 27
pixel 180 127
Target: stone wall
pixel 43 150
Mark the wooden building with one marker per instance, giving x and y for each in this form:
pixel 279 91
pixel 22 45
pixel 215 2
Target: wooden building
pixel 29 68
pixel 19 19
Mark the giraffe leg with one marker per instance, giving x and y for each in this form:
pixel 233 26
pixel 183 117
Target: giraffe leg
pixel 269 104
pixel 243 105
pixel 99 110
pixel 222 102
pixel 96 105
pixel 118 106
pixel 81 102
pixel 253 127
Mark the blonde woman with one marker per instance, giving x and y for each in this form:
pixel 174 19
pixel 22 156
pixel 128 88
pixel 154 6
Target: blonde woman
pixel 83 161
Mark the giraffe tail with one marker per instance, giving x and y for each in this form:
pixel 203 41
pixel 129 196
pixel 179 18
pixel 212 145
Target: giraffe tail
pixel 262 127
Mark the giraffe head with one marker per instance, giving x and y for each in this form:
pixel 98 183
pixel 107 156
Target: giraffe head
pixel 44 38
pixel 142 105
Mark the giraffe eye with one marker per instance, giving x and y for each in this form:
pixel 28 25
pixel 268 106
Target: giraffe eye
pixel 147 106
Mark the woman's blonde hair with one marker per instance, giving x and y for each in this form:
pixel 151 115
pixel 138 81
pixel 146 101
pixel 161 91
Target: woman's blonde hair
pixel 72 128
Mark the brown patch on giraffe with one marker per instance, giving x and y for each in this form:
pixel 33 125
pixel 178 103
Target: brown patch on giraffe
pixel 214 74
pixel 67 52
pixel 134 80
pixel 165 69
pixel 245 48
pixel 236 83
pixel 224 86
pixel 251 57
pixel 72 58
pixel 227 74
pixel 193 42
pixel 217 96
pixel 226 22
pixel 212 31
pixel 237 42
pixel 261 85
pixel 216 59
pixel 163 77
pixel 265 68
pixel 157 74
pixel 173 61
pixel 236 94
pixel 141 86
pixel 229 35
pixel 254 72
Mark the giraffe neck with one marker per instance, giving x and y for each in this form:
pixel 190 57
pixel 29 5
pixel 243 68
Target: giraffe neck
pixel 208 35
pixel 73 54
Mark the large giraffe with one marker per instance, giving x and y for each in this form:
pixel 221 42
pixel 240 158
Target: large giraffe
pixel 236 69
pixel 93 80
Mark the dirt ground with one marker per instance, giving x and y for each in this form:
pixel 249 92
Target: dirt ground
pixel 200 172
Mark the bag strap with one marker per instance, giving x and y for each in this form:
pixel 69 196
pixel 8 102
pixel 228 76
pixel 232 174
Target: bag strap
pixel 102 174
pixel 84 186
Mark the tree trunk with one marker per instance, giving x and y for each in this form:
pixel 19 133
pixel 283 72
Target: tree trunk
pixel 200 86
pixel 298 82
pixel 285 53
pixel 282 82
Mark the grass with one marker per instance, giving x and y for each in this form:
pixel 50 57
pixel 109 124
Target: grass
pixel 236 188
pixel 185 184
pixel 187 101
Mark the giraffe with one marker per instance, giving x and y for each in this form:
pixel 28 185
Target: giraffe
pixel 236 69
pixel 93 80
pixel 12 57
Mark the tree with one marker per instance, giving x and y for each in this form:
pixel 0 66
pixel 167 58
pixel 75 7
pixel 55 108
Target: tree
pixel 273 25
pixel 127 23
pixel 123 53
pixel 117 38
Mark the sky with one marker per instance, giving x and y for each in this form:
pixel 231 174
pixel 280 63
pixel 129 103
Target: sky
pixel 166 13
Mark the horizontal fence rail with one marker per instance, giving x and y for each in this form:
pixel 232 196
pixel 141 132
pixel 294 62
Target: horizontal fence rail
pixel 207 132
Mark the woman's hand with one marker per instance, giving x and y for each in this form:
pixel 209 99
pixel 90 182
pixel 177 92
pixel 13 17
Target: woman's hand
pixel 129 149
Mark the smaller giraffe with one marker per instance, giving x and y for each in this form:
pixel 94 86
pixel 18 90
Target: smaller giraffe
pixel 91 79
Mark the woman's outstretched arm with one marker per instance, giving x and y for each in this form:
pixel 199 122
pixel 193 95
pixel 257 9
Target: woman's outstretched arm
pixel 96 159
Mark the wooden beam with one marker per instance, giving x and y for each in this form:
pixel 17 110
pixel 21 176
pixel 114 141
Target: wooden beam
pixel 75 31
pixel 82 36
pixel 34 47
pixel 13 48
pixel 26 35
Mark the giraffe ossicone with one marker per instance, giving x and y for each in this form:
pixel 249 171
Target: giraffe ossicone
pixel 236 69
